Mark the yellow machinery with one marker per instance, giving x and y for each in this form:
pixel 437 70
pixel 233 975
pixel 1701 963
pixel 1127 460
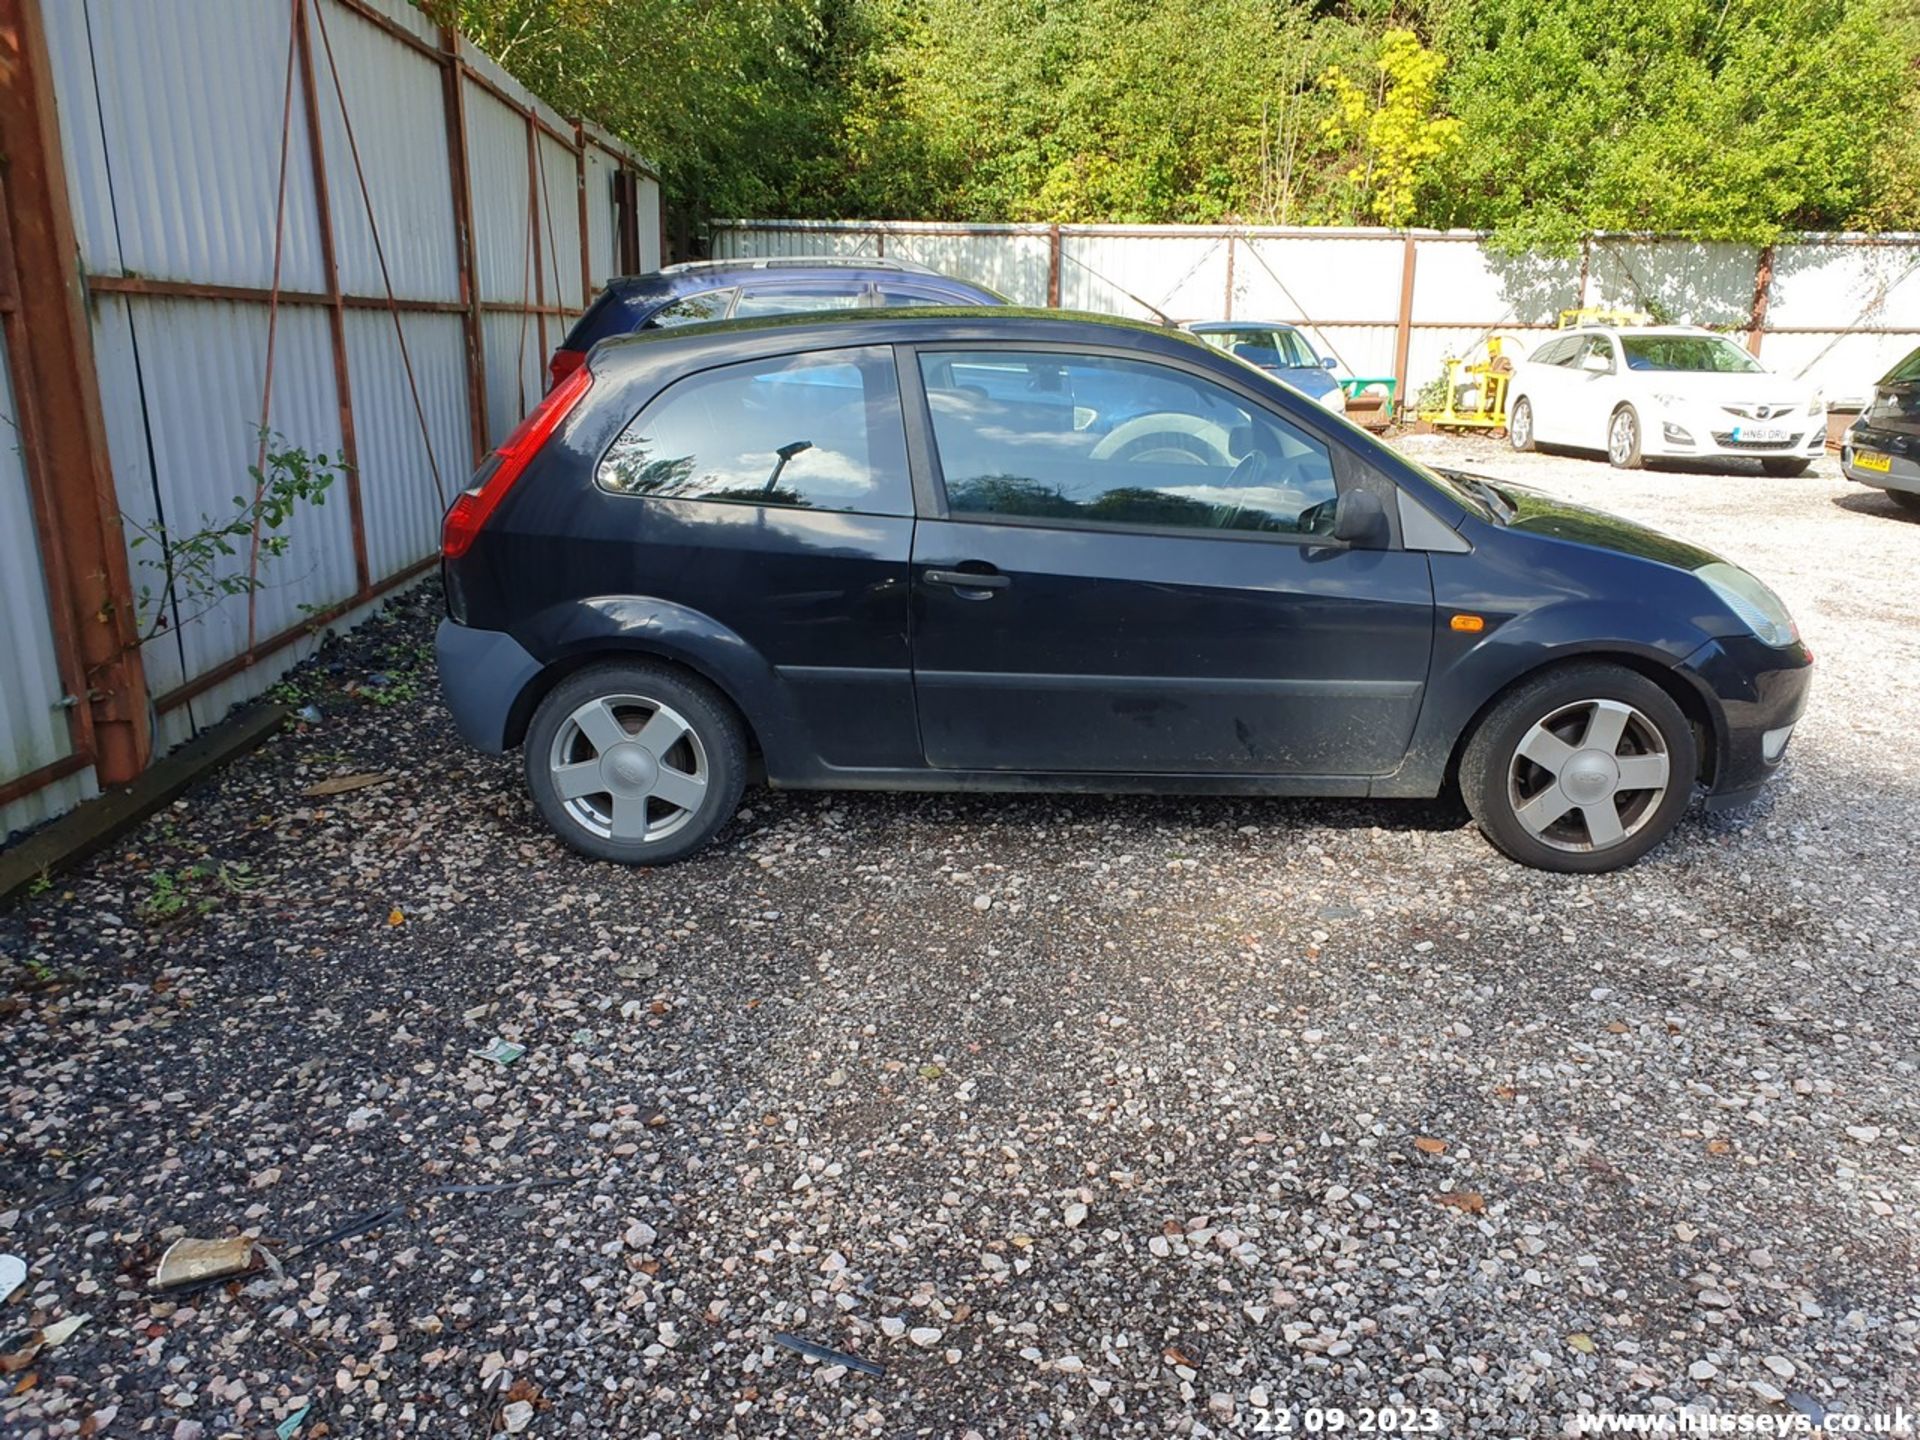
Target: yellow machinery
pixel 1602 315
pixel 1476 397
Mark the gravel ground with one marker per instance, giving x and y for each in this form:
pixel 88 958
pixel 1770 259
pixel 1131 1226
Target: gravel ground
pixel 1080 1116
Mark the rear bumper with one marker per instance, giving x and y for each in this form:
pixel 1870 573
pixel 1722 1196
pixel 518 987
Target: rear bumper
pixel 1761 692
pixel 483 674
pixel 1903 468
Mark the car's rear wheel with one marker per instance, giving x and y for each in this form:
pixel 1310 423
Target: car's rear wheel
pixel 1581 769
pixel 1785 466
pixel 1623 439
pixel 1520 424
pixel 635 762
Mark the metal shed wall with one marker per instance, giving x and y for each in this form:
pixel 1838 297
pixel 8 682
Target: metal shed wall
pixel 399 339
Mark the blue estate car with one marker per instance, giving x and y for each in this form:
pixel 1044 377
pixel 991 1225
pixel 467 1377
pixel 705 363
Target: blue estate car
pixel 1280 350
pixel 1001 549
pixel 700 290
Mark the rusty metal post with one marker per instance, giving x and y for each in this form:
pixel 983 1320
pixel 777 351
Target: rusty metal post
pixel 1053 267
pixel 465 244
pixel 336 307
pixel 536 206
pixel 1762 293
pixel 53 316
pixel 1403 333
pixel 580 185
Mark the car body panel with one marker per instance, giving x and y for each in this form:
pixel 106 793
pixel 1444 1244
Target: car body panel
pixel 1882 447
pixel 1264 664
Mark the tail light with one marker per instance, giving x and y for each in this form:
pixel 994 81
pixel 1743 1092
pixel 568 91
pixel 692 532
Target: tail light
pixel 564 363
pixel 505 465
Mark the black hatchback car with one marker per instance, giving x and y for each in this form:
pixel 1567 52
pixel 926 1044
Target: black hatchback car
pixel 1014 550
pixel 697 291
pixel 1882 447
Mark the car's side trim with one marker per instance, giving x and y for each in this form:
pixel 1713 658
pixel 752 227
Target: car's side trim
pixel 1081 782
pixel 1342 689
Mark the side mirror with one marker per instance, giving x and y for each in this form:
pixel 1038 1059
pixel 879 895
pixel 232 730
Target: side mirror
pixel 1361 521
pixel 1596 364
pixel 1327 362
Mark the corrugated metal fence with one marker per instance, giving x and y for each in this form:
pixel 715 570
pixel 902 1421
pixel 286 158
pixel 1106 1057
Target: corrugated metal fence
pixel 439 227
pixel 1836 308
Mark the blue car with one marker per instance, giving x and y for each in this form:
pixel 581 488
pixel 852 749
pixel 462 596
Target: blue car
pixel 1016 550
pixel 700 290
pixel 1280 350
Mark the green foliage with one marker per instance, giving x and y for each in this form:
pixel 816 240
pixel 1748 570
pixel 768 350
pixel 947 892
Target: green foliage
pixel 192 890
pixel 188 572
pixel 1394 129
pixel 1538 119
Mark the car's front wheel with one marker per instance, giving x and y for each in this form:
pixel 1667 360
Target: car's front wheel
pixel 1623 439
pixel 635 761
pixel 1581 769
pixel 1520 424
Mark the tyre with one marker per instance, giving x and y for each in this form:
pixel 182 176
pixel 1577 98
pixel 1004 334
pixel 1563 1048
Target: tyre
pixel 635 761
pixel 1907 500
pixel 1785 466
pixel 1623 439
pixel 1581 769
pixel 1520 424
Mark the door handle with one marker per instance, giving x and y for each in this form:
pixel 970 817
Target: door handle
pixel 965 580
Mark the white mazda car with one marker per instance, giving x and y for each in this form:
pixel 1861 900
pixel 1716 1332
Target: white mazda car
pixel 1663 393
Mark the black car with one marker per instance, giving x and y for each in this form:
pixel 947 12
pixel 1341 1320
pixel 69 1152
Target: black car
pixel 1882 447
pixel 1014 550
pixel 698 291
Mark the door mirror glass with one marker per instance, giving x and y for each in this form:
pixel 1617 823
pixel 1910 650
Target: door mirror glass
pixel 1327 362
pixel 1361 521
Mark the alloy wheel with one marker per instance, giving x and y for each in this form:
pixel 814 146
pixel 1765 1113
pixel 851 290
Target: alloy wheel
pixel 1621 438
pixel 629 768
pixel 1589 776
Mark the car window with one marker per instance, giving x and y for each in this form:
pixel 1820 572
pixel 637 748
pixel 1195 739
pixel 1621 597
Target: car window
pixel 893 296
pixel 1046 436
pixel 1265 345
pixel 820 431
pixel 1687 352
pixel 1557 352
pixel 692 309
pixel 1907 370
pixel 1598 345
pixel 797 299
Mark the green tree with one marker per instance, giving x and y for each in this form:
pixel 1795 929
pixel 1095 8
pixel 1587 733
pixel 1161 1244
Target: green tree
pixel 1392 125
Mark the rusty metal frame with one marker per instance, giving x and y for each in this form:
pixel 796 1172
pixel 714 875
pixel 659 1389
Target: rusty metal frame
pixel 336 306
pixel 580 222
pixel 461 177
pixel 1762 294
pixel 85 549
pixel 1403 328
pixel 536 207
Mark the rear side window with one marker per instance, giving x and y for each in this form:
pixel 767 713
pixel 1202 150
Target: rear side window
pixel 1107 441
pixel 893 297
pixel 1557 352
pixel 1905 372
pixel 712 305
pixel 820 431
pixel 797 299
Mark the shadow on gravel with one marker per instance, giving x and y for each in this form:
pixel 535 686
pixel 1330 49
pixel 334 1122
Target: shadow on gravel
pixel 1877 504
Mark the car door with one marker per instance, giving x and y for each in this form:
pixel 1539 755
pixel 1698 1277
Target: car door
pixel 1593 390
pixel 1543 382
pixel 1125 565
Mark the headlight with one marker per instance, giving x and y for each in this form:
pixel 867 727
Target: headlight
pixel 1817 405
pixel 1758 607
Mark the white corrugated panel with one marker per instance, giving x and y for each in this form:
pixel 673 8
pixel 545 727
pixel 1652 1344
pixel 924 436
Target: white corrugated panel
pixel 648 195
pixel 1845 285
pixel 397 105
pixel 201 367
pixel 189 100
pixel 1182 275
pixel 34 728
pixel 1843 366
pixel 603 216
pixel 1458 282
pixel 1358 350
pixel 516 369
pixel 1014 265
pixel 1296 277
pixel 559 177
pixel 398 492
pixel 1685 283
pixel 502 230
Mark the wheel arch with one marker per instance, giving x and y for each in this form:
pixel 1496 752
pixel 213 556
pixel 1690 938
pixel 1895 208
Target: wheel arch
pixel 520 714
pixel 1691 699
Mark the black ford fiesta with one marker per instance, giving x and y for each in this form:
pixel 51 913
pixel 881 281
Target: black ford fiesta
pixel 1015 550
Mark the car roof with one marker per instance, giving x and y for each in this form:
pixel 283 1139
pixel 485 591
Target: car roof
pixel 693 276
pixel 905 325
pixel 1205 326
pixel 798 262
pixel 1693 331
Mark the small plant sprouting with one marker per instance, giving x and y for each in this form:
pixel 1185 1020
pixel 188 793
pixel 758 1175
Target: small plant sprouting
pixel 190 571
pixel 194 890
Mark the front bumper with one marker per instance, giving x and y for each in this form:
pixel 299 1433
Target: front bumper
pixel 1902 453
pixel 1713 434
pixel 1760 693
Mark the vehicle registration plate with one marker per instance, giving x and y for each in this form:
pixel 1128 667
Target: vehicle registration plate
pixel 1872 460
pixel 1760 434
